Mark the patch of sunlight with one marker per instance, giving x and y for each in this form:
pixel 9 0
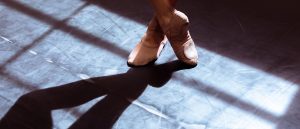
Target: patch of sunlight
pixel 256 87
pixel 110 27
pixel 235 118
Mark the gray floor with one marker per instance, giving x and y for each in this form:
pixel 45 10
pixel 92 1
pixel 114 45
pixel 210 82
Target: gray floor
pixel 247 77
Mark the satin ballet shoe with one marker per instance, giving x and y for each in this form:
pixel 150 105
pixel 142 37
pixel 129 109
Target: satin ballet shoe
pixel 181 41
pixel 149 48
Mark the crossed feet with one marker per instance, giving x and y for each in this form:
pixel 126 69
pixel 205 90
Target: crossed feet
pixel 173 28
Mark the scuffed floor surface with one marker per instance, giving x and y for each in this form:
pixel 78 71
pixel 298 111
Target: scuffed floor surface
pixel 72 54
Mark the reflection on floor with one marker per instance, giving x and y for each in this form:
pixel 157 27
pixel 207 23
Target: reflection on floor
pixel 72 54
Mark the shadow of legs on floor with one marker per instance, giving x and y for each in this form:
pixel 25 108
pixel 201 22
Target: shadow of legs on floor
pixel 33 110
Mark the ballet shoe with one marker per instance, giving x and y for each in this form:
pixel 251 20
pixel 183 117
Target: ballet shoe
pixel 177 32
pixel 149 48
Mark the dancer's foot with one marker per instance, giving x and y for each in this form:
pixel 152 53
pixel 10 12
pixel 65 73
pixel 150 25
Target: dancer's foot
pixel 181 41
pixel 149 48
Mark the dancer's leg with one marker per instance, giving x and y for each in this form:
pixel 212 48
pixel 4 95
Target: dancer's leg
pixel 164 10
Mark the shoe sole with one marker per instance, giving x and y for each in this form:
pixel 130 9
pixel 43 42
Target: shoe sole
pixel 137 66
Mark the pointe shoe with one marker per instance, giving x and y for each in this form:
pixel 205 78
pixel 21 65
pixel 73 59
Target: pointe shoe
pixel 181 41
pixel 149 48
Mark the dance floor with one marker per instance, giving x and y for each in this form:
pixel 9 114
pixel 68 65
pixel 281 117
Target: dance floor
pixel 63 65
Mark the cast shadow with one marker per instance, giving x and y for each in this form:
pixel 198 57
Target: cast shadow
pixel 33 110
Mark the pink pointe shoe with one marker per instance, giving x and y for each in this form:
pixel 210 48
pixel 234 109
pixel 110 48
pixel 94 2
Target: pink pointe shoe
pixel 181 41
pixel 149 48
